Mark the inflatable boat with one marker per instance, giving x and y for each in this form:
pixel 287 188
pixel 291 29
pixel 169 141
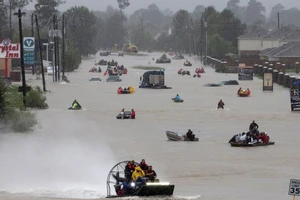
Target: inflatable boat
pixel 173 136
pixel 187 64
pixel 244 93
pixel 177 101
pixel 116 178
pixel 237 144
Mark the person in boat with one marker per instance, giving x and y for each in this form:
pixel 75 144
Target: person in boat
pixel 120 90
pixel 221 104
pixel 143 165
pixel 177 98
pixel 264 138
pixel 122 113
pixel 186 62
pixel 132 115
pixel 138 176
pixel 151 174
pixel 240 89
pixel 253 127
pixel 129 169
pixel 76 105
pixel 190 135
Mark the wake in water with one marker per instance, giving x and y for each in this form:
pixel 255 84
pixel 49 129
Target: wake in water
pixel 71 163
pixel 216 109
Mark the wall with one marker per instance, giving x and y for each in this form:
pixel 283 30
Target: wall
pixel 249 45
pixel 270 44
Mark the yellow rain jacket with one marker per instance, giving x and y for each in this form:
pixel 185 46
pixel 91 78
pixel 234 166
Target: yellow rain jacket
pixel 131 90
pixel 137 172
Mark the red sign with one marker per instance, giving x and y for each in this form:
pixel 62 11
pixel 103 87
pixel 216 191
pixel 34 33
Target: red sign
pixel 9 50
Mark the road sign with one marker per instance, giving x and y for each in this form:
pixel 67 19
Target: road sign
pixel 294 188
pixel 29 43
pixel 268 81
pixel 295 99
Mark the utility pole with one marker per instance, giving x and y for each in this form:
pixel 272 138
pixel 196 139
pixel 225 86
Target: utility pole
pixel 22 89
pixel 10 22
pixel 205 28
pixel 63 45
pixel 32 35
pixel 41 52
pixel 55 48
pixel 278 20
pixel 142 39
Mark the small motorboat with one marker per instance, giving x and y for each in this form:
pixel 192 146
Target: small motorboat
pixel 173 136
pixel 258 144
pixel 127 115
pixel 116 177
pixel 177 101
pixel 187 64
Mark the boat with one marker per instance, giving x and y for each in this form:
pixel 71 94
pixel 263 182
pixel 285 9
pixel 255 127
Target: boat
pixel 127 115
pixel 71 108
pixel 188 64
pixel 173 136
pixel 177 101
pixel 238 144
pixel 116 177
pixel 244 93
pixel 199 70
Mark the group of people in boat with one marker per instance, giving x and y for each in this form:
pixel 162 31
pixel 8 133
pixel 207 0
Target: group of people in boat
pixel 94 69
pixel 116 70
pixel 139 175
pixel 130 90
pixel 132 113
pixel 252 136
pixel 190 135
pixel 241 91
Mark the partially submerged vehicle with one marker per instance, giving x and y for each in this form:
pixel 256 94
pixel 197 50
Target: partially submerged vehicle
pixel 95 79
pixel 102 62
pixel 116 179
pixel 127 115
pixel 177 101
pixel 153 80
pixel 212 85
pixel 230 82
pixel 178 57
pixel 105 53
pixel 113 78
pixel 174 136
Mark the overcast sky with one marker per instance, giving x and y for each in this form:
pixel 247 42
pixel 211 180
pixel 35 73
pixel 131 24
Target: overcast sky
pixel 173 5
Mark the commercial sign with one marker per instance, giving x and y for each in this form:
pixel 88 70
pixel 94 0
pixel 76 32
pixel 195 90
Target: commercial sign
pixel 245 72
pixel 9 50
pixel 268 82
pixel 29 50
pixel 294 188
pixel 295 99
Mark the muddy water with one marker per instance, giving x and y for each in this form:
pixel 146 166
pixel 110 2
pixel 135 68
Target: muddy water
pixel 71 152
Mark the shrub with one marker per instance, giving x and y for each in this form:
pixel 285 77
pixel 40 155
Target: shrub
pixel 21 121
pixel 35 98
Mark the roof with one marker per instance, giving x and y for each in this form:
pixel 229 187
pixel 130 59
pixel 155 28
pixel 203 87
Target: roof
pixel 279 33
pixel 291 49
pixel 294 36
pixel 254 34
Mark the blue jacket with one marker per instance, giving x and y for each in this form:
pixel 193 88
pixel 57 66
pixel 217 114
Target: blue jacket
pixel 177 98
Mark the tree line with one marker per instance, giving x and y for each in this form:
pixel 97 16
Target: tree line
pixel 149 28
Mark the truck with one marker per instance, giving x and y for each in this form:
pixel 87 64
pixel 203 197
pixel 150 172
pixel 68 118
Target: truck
pixel 153 80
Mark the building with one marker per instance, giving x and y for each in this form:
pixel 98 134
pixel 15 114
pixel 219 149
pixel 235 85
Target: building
pixel 255 41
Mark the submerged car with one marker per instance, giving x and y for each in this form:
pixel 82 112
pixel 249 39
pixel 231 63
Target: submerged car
pixel 212 85
pixel 230 82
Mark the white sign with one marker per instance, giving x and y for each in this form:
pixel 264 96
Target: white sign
pixel 294 187
pixel 9 50
pixel 29 43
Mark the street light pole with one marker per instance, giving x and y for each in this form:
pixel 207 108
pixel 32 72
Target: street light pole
pixel 47 51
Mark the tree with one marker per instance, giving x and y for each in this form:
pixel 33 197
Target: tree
pixel 2 98
pixel 255 13
pixel 274 12
pixel 3 20
pixel 238 11
pixel 218 47
pixel 82 28
pixel 45 9
pixel 198 11
pixel 123 4
pixel 181 24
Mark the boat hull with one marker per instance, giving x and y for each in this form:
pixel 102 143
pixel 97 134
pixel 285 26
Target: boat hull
pixel 236 144
pixel 173 136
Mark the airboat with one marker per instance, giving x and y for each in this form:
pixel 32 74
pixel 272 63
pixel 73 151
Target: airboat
pixel 116 177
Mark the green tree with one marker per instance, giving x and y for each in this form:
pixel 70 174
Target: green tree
pixel 73 57
pixel 181 24
pixel 255 13
pixel 3 20
pixel 218 47
pixel 2 98
pixel 82 28
pixel 45 9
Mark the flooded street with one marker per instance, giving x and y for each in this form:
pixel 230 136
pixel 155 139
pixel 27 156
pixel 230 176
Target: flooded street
pixel 71 152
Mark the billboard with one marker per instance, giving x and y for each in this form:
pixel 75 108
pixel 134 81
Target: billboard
pixel 245 72
pixel 29 50
pixel 295 99
pixel 268 81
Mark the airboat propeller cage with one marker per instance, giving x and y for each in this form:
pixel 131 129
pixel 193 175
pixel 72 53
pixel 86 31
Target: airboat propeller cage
pixel 117 174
